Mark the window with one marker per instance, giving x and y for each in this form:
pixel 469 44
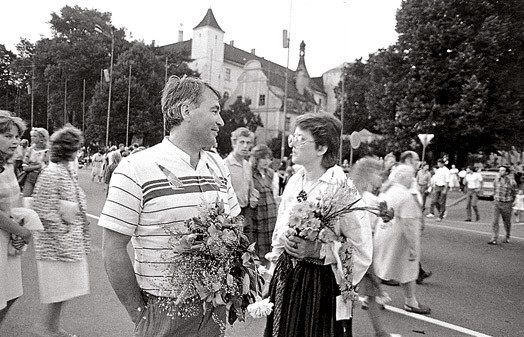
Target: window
pixel 226 95
pixel 287 123
pixel 239 98
pixel 262 100
pixel 228 74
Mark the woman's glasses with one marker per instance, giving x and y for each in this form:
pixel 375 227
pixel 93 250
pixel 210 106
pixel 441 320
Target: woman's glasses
pixel 297 141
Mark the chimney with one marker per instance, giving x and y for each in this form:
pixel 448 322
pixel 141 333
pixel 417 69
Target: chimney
pixel 232 43
pixel 180 35
pixel 253 51
pixel 153 43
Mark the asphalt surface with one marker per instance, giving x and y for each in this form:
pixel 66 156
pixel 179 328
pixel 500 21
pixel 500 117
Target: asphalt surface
pixel 475 290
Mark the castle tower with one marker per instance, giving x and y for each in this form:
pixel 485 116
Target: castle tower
pixel 302 76
pixel 207 50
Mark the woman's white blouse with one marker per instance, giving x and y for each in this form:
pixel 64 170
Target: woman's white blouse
pixel 354 226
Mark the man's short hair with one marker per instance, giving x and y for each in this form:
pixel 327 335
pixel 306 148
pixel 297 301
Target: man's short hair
pixel 241 132
pixel 440 161
pixel 179 91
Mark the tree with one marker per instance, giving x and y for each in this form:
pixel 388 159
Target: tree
pixel 236 115
pixel 7 88
pixel 456 71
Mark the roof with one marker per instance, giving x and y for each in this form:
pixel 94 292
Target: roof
pixel 209 20
pixel 273 71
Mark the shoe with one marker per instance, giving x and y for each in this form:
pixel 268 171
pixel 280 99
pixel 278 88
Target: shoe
pixel 391 283
pixel 468 220
pixel 430 215
pixel 506 240
pixel 477 218
pixel 421 310
pixel 492 242
pixel 445 214
pixel 423 276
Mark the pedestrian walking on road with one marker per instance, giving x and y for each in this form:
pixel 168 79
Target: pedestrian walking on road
pixel 440 191
pixel 505 189
pixel 423 183
pixel 396 244
pixel 61 249
pixel 473 185
pixel 165 184
pixel 366 174
pixel 11 129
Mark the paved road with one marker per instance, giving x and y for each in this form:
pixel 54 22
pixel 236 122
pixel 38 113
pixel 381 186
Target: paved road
pixel 475 286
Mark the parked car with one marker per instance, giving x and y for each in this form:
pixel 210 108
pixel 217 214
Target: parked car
pixel 488 178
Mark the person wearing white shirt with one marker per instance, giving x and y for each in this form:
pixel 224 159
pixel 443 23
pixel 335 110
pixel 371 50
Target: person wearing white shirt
pixel 473 184
pixel 440 192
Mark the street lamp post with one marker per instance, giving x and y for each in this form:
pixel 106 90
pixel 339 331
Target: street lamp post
pixel 99 29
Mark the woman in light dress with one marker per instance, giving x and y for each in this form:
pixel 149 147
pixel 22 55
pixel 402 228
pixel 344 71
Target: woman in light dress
pixel 11 128
pixel 396 244
pixel 61 249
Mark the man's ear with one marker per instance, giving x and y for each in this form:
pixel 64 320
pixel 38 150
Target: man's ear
pixel 185 112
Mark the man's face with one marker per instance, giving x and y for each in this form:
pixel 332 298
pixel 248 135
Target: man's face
pixel 206 120
pixel 241 146
pixel 502 171
pixel 415 161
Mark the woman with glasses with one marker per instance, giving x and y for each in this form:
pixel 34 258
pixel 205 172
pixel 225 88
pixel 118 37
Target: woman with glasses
pixel 35 160
pixel 305 292
pixel 11 128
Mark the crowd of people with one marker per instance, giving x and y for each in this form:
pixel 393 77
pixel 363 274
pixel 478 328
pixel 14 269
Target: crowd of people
pixel 148 188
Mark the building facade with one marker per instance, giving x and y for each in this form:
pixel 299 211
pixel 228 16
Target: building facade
pixel 239 74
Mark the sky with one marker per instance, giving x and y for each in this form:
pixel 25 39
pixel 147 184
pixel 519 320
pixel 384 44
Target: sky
pixel 334 31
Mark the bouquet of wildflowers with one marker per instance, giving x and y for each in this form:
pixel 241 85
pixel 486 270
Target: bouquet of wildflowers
pixel 212 260
pixel 315 221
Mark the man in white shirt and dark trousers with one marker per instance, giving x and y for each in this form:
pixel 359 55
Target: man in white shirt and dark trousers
pixel 440 190
pixel 473 184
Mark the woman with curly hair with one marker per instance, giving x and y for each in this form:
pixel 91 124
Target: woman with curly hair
pixel 61 248
pixel 11 128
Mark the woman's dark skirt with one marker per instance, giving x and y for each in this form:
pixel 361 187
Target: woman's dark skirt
pixel 305 301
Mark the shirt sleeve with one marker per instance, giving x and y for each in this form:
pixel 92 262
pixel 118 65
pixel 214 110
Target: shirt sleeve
pixel 231 196
pixel 356 228
pixel 121 211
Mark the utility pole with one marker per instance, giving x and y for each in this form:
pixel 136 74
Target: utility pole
pixel 84 108
pixel 65 102
pixel 128 104
pixel 32 93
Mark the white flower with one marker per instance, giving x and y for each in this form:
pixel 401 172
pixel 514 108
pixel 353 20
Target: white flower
pixel 261 308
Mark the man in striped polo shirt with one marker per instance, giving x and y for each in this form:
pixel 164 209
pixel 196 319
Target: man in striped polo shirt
pixel 161 185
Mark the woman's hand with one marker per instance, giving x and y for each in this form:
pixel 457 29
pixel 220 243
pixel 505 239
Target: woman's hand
pixel 300 248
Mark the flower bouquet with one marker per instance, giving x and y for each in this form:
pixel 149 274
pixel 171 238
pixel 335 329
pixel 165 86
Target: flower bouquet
pixel 316 220
pixel 212 260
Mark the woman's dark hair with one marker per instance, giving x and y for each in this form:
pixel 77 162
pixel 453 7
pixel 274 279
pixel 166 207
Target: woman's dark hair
pixel 259 152
pixel 64 143
pixel 325 129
